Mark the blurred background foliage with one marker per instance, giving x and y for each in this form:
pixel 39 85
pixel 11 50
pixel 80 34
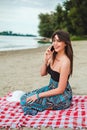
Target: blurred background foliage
pixel 71 16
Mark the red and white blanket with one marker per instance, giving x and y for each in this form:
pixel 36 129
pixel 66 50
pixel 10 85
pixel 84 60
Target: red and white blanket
pixel 12 116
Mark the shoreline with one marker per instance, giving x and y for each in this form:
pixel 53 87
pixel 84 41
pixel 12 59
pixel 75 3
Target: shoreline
pixel 36 48
pixel 20 69
pixel 20 50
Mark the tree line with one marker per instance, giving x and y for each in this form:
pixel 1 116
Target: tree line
pixel 10 33
pixel 71 16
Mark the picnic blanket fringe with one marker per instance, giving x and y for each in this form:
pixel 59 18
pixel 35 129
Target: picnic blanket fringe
pixel 75 117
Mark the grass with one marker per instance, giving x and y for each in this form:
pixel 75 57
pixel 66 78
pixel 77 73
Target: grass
pixel 77 38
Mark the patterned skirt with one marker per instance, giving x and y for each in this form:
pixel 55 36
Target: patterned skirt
pixel 57 102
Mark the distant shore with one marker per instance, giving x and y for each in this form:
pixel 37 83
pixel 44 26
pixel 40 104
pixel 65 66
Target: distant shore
pixel 10 33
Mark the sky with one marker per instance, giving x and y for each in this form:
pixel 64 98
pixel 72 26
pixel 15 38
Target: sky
pixel 21 16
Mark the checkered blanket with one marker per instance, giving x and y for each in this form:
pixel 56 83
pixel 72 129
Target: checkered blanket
pixel 12 116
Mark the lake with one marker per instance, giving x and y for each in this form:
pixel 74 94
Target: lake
pixel 18 43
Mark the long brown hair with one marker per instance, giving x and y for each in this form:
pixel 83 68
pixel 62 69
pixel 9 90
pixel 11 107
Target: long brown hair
pixel 64 36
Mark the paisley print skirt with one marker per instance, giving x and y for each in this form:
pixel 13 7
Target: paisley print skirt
pixel 58 102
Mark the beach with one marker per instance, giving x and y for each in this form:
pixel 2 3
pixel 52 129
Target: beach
pixel 20 70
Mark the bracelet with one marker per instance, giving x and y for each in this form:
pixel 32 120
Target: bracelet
pixel 37 95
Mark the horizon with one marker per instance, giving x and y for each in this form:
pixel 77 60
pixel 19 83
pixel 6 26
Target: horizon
pixel 9 32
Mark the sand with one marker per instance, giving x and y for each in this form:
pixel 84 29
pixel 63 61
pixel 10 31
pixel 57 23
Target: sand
pixel 20 70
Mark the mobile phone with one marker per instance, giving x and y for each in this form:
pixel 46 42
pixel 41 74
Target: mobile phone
pixel 52 48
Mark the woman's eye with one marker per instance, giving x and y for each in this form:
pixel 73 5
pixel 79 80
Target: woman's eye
pixel 56 40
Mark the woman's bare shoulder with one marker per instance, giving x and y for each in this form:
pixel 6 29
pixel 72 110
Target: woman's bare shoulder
pixel 65 61
pixel 65 66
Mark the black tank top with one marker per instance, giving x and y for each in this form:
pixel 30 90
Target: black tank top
pixel 54 74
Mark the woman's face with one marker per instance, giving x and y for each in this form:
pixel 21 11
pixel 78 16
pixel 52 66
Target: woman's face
pixel 58 44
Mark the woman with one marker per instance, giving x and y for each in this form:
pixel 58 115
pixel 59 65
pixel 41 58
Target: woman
pixel 58 62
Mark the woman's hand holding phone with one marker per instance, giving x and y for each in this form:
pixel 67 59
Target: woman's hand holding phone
pixel 48 54
pixel 52 48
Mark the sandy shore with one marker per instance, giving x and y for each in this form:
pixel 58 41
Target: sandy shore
pixel 20 70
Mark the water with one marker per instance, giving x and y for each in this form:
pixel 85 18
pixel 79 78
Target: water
pixel 18 43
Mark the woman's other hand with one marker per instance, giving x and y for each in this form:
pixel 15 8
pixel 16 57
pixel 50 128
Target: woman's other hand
pixel 31 99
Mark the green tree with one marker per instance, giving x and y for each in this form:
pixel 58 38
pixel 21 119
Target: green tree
pixel 77 16
pixel 46 25
pixel 59 17
pixel 71 16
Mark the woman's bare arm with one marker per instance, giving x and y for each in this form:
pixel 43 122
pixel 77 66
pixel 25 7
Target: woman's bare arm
pixel 43 69
pixel 47 57
pixel 62 82
pixel 65 69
